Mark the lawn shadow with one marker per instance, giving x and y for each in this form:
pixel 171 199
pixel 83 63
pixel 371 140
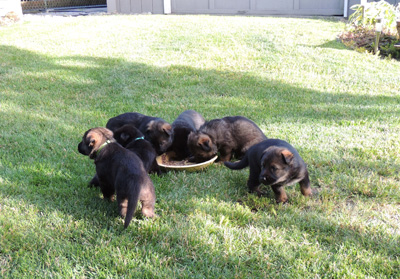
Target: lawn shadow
pixel 333 44
pixel 315 236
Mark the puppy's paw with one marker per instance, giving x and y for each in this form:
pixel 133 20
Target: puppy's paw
pixel 192 159
pixel 110 198
pixel 258 192
pixel 94 182
pixel 91 185
pixel 149 213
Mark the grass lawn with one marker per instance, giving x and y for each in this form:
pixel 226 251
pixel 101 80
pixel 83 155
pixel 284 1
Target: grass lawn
pixel 60 76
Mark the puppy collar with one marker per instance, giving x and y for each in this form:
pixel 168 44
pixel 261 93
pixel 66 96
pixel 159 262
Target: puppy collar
pixel 138 138
pixel 102 146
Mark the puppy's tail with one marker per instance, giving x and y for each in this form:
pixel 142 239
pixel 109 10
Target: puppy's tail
pixel 132 204
pixel 238 165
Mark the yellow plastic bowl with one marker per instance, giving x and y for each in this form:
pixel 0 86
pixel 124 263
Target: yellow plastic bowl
pixel 187 167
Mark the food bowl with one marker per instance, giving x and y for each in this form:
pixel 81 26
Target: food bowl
pixel 166 161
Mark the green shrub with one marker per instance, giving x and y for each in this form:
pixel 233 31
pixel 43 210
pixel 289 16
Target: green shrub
pixel 374 10
pixel 360 30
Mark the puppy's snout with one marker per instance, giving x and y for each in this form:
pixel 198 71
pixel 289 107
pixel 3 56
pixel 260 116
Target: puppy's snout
pixel 79 147
pixel 82 149
pixel 265 179
pixel 162 148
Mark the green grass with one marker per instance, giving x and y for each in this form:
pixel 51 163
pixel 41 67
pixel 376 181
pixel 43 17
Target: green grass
pixel 339 108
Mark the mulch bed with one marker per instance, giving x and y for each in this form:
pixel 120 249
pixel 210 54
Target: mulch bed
pixel 363 39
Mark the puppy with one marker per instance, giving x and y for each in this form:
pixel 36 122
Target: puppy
pixel 119 170
pixel 156 130
pixel 276 163
pixel 132 139
pixel 232 135
pixel 188 121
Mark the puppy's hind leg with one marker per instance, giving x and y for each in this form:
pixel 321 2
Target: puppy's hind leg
pixel 132 200
pixel 122 206
pixel 108 191
pixel 305 187
pixel 148 209
pixel 148 199
pixel 225 155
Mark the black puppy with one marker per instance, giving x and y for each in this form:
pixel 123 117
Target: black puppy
pixel 132 139
pixel 119 171
pixel 276 163
pixel 186 122
pixel 156 130
pixel 229 135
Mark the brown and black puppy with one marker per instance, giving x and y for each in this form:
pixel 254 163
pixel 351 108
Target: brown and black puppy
pixel 156 130
pixel 229 135
pixel 186 122
pixel 132 139
pixel 276 163
pixel 119 171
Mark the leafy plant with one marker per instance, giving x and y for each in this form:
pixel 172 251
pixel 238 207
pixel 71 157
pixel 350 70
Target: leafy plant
pixel 363 39
pixel 360 31
pixel 367 15
pixel 9 18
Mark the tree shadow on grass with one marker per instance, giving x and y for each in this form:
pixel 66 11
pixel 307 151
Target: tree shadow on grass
pixel 204 235
pixel 333 44
pixel 98 83
pixel 48 102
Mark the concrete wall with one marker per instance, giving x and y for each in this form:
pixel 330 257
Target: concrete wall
pixel 259 7
pixel 135 6
pixel 251 7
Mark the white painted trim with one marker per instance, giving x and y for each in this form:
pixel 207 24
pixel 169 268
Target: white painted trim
pixel 167 6
pixel 346 8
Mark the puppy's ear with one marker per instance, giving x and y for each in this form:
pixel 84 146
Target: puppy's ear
pixel 287 156
pixel 204 143
pixel 108 133
pixel 191 136
pixel 92 142
pixel 92 153
pixel 125 137
pixel 167 129
pixel 149 127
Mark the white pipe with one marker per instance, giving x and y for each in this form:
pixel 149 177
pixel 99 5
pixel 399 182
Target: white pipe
pixel 346 8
